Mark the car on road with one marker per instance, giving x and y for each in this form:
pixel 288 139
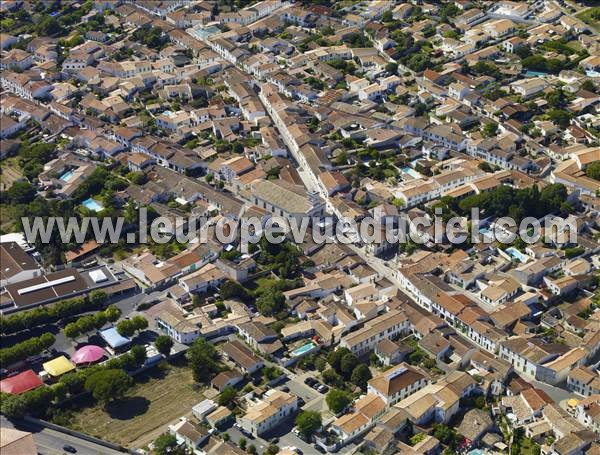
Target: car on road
pixel 310 381
pixel 69 448
pixel 322 388
pixel 246 433
pixel 301 402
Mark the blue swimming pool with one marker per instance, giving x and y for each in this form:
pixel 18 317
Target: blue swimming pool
pixel 535 73
pixel 93 205
pixel 477 452
pixel 302 349
pixel 410 171
pixel 516 254
pixel 67 176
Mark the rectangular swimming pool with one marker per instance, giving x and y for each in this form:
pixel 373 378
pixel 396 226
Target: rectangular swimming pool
pixel 67 176
pixel 302 349
pixel 410 171
pixel 93 205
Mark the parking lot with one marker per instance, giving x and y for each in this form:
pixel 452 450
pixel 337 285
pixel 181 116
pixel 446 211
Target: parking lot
pixel 301 390
pixel 283 434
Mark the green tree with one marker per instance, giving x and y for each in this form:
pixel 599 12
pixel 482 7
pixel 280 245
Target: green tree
pixel 361 375
pixel 444 433
pixel 593 170
pixel 560 117
pixel 347 365
pixel 203 359
pixel 74 382
pixel 489 129
pixel 335 358
pixel 27 348
pixel 108 385
pixel 308 422
pixel 128 327
pixel 97 298
pixel 337 400
pixel 589 86
pixel 231 289
pixel 139 355
pixel 13 406
pixel 112 313
pixel 332 378
pixel 416 438
pixel 163 344
pixel 320 364
pixel 166 444
pixel 227 396
pixel 270 303
pixel 48 26
pixel 72 330
pixel 392 68
pixel 21 192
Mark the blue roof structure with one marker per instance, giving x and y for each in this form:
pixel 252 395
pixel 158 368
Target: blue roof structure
pixel 113 339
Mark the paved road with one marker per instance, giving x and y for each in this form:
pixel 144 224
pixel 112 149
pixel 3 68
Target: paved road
pixel 235 435
pixel 51 442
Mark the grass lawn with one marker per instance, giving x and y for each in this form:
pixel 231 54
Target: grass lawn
pixel 588 15
pixel 158 398
pixel 7 217
pixel 11 172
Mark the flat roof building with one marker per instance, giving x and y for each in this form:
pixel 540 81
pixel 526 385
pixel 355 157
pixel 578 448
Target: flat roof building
pixel 59 285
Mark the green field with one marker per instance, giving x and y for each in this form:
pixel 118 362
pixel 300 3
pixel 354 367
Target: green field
pixel 591 16
pixel 11 172
pixel 158 398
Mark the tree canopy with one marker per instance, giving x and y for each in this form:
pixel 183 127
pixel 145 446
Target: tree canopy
pixel 308 422
pixel 108 385
pixel 337 400
pixel 593 170
pixel 163 344
pixel 203 358
pixel 128 327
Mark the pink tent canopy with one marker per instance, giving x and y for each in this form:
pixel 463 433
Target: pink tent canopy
pixel 88 354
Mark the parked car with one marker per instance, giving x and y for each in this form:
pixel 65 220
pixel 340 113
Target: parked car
pixel 310 381
pixel 69 448
pixel 285 389
pixel 246 433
